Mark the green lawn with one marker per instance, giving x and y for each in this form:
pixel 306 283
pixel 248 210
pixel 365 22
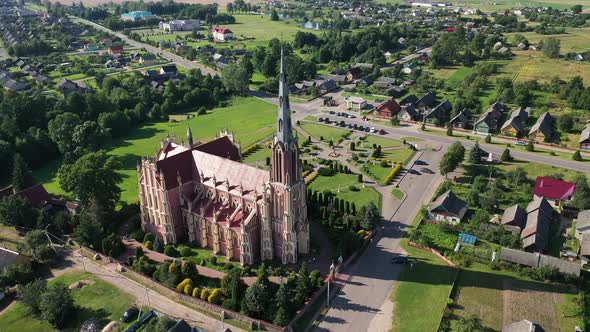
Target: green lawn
pixel 258 156
pixel 327 132
pixel 421 294
pixel 101 300
pixel 398 193
pixel 250 119
pixel 339 184
pixel 384 142
pixel 534 170
pixel 397 155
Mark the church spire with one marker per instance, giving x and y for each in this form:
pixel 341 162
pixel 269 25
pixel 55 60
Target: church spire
pixel 284 129
pixel 189 137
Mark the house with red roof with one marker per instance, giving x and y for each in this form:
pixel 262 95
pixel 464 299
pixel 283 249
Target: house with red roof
pixel 115 49
pixel 221 34
pixel 553 190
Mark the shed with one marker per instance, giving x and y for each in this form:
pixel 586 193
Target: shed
pixel 467 239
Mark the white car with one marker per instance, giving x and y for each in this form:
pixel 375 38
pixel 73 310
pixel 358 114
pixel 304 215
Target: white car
pixel 373 129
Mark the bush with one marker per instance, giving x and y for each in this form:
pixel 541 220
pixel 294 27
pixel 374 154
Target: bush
pixel 384 163
pixel 488 139
pixel 196 292
pixel 188 289
pixel 185 252
pixel 326 171
pixel 577 156
pixel 148 245
pixel 228 266
pixel 213 260
pixel 353 188
pixel 169 250
pixel 215 296
pixel 181 286
pixel 138 235
pixel 204 294
pixel 130 260
pixel 159 245
pixel 138 251
pixel 149 237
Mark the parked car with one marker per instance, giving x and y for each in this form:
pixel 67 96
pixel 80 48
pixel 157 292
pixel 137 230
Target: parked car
pixel 342 124
pixel 320 119
pixel 521 143
pixel 361 128
pixel 349 126
pixel 129 315
pixel 331 112
pixel 367 129
pixel 420 162
pixel 355 126
pixel 373 129
pixel 351 116
pixel 382 132
pixel 426 170
pixel 399 260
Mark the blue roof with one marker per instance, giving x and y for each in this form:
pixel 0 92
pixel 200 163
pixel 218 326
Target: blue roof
pixel 467 239
pixel 138 14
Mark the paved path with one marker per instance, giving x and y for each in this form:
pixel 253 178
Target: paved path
pixel 158 302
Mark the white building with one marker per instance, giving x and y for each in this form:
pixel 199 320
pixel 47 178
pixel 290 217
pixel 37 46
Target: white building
pixel 355 103
pixel 180 25
pixel 222 34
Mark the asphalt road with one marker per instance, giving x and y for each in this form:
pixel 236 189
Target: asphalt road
pixel 363 304
pixel 162 53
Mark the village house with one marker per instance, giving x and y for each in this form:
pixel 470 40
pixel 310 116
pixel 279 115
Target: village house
pixel 355 103
pixel 584 140
pixel 353 74
pixel 447 207
pixel 426 101
pixel 535 234
pixel 514 216
pixel 553 190
pixel 462 119
pixel 440 114
pixel 147 59
pixel 583 224
pixel 488 121
pixel 409 113
pixel 514 126
pixel 222 34
pixel 544 129
pixel 409 99
pixel 388 109
pixel 115 49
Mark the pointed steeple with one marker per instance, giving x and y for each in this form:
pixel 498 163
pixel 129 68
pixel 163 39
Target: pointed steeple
pixel 284 129
pixel 189 136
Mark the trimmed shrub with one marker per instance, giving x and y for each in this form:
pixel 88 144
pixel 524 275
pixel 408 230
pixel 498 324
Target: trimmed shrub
pixel 215 296
pixel 204 294
pixel 185 252
pixel 149 237
pixel 213 260
pixel 148 244
pixel 188 289
pixel 138 235
pixel 169 250
pixel 181 286
pixel 196 292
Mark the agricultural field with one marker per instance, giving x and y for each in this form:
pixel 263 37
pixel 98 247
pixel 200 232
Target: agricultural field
pixel 101 300
pixel 574 40
pixel 145 140
pixel 341 184
pixel 502 297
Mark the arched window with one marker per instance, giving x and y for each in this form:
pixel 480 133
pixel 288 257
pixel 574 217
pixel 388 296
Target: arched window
pixel 280 125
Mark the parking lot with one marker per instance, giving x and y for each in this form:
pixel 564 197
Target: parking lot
pixel 338 121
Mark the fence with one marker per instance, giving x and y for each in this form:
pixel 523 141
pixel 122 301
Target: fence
pixel 435 252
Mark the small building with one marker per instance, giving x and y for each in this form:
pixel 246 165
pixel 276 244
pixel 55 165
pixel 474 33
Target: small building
pixel 388 109
pixel 137 15
pixel 462 119
pixel 9 257
pixel 408 113
pixel 168 70
pixel 488 121
pixel 325 86
pixel 440 114
pixel 365 81
pixel 553 190
pixel 514 216
pixel 426 101
pixel 584 140
pixel 514 126
pixel 115 49
pixel 467 239
pixel 353 74
pixel 147 59
pixel 409 99
pixel 180 25
pixel 535 234
pixel 544 129
pixel 91 47
pixel 447 207
pixel 221 34
pixel 355 103
pixel 583 224
pixel 521 326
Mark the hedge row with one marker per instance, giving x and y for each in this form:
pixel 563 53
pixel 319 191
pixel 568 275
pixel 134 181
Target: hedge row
pixel 393 173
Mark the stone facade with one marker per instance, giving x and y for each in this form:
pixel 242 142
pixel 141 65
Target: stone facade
pixel 202 193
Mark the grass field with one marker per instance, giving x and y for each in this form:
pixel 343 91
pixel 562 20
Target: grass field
pixel 257 156
pixel 378 172
pixel 398 193
pixel 574 40
pixel 534 170
pixel 339 184
pixel 101 300
pixel 250 119
pixel 420 296
pixel 384 142
pixel 327 132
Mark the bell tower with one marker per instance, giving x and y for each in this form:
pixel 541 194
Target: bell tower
pixel 288 199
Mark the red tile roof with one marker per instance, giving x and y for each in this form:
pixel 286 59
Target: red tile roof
pixel 222 30
pixel 553 189
pixel 222 147
pixel 388 108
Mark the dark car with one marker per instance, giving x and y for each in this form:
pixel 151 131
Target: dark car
pixel 331 112
pixel 367 129
pixel 355 126
pixel 129 315
pixel 413 171
pixel 399 260
pixel 342 124
pixel 361 128
pixel 426 170
pixel 420 162
pixel 320 119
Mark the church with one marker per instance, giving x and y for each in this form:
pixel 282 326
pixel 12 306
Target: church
pixel 202 193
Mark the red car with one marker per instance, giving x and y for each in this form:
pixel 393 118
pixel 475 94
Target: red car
pixel 382 132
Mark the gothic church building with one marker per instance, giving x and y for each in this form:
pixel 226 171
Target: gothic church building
pixel 203 193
